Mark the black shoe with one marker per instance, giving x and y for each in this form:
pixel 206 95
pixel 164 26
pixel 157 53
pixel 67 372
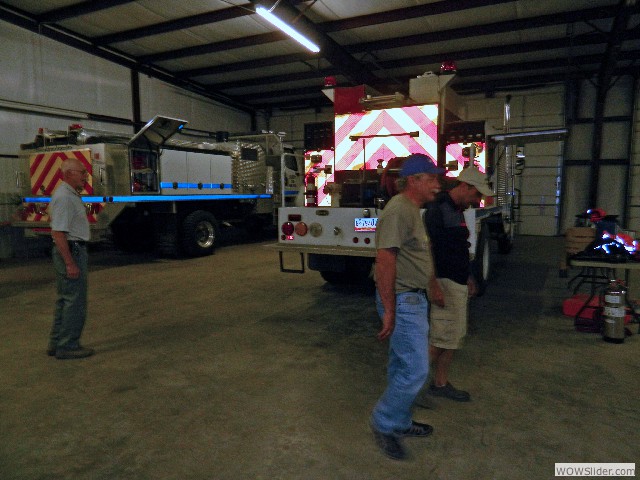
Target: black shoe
pixel 416 430
pixel 390 445
pixel 450 392
pixel 51 351
pixel 80 352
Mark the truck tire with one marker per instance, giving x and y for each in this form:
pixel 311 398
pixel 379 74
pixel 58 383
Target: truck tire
pixel 200 233
pixel 481 265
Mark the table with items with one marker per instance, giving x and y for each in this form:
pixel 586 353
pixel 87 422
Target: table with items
pixel 598 275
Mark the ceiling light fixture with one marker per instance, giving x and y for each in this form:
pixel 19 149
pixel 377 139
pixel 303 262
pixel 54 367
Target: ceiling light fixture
pixel 267 15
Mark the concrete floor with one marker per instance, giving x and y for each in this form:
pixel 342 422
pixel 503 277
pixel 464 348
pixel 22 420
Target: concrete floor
pixel 224 368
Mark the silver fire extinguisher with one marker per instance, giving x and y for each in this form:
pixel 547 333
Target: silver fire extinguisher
pixel 614 312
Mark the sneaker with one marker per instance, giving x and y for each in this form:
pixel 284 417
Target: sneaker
pixel 416 430
pixel 390 445
pixel 450 392
pixel 80 352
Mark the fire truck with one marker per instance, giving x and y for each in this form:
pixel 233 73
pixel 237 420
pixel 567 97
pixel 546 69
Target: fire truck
pixel 162 189
pixel 348 185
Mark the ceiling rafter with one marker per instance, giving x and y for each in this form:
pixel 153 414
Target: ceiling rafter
pixel 246 65
pixel 544 60
pixel 409 40
pixel 484 29
pixel 530 47
pixel 436 59
pixel 584 39
pixel 222 46
pixel 22 19
pixel 78 9
pixel 197 20
pixel 332 26
pixel 173 25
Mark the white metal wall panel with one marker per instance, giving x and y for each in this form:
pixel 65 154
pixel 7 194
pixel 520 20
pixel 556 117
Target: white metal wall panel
pixel 611 190
pixel 41 71
pixel 613 179
pixel 159 98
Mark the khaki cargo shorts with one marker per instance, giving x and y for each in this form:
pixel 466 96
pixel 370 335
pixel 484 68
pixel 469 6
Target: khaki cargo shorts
pixel 448 325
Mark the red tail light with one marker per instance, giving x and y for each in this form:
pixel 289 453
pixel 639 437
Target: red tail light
pixel 301 229
pixel 287 228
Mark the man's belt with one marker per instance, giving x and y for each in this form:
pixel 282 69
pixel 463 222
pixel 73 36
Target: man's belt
pixel 418 290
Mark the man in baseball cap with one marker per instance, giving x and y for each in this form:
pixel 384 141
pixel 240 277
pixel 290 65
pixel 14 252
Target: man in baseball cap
pixel 449 235
pixel 419 163
pixel 404 273
pixel 473 177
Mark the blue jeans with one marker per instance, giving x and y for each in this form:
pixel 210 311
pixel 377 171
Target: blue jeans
pixel 71 306
pixel 408 366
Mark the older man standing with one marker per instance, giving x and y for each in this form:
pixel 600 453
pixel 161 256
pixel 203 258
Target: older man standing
pixel 404 271
pixel 70 233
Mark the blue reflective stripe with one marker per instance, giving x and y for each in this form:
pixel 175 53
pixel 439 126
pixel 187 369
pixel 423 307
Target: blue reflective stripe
pixel 157 198
pixel 182 198
pixel 180 185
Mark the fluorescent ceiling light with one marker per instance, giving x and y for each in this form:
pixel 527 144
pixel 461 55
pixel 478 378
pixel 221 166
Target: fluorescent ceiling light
pixel 266 14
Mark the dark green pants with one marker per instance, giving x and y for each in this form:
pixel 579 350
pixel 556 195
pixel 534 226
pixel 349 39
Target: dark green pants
pixel 71 305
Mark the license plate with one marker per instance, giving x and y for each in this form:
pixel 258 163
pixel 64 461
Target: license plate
pixel 365 224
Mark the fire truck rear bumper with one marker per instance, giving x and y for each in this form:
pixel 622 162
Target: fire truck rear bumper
pixel 324 250
pixel 327 250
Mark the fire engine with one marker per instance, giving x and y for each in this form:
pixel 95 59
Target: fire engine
pixel 347 186
pixel 161 189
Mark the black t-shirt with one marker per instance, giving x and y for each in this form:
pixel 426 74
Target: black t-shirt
pixel 449 235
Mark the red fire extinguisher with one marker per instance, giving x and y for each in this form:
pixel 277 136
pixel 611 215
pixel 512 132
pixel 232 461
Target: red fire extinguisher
pixel 311 192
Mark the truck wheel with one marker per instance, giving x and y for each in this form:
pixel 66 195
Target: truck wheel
pixel 200 233
pixel 481 265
